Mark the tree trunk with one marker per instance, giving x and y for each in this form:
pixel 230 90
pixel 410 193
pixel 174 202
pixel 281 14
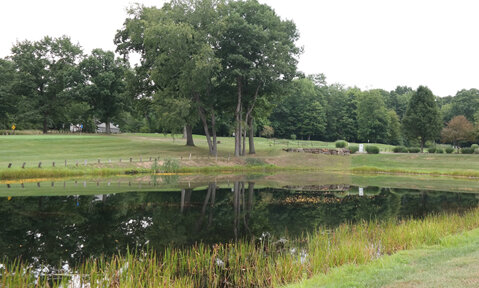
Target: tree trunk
pixel 107 127
pixel 422 144
pixel 45 126
pixel 243 149
pixel 213 130
pixel 189 135
pixel 238 129
pixel 202 113
pixel 252 150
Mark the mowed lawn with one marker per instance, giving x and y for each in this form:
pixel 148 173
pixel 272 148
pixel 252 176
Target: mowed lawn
pixel 422 162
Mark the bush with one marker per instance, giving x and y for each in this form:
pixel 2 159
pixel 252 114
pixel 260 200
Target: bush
pixel 267 132
pixel 254 162
pixel 476 151
pixel 474 146
pixel 439 150
pixel 341 144
pixel 400 149
pixel 449 150
pixel 293 136
pixel 414 149
pixel 353 149
pixel 467 150
pixel 170 165
pixel 431 149
pixel 372 149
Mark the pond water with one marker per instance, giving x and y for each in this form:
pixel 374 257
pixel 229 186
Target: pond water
pixel 54 223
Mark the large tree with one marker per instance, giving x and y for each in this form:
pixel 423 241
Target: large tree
pixel 7 98
pixel 422 119
pixel 45 70
pixel 257 49
pixel 103 88
pixel 178 65
pixel 372 117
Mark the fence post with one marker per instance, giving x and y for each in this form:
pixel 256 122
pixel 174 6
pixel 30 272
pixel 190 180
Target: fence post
pixel 53 164
pixel 98 161
pixel 9 165
pixel 65 163
pixel 131 159
pixel 23 166
pixel 39 164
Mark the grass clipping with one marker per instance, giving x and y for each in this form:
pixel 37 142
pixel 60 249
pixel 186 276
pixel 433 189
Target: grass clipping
pixel 261 262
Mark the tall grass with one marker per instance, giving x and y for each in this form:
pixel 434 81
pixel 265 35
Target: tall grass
pixel 261 262
pixel 28 173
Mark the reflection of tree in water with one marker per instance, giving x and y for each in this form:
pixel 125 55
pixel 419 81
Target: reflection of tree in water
pixel 57 228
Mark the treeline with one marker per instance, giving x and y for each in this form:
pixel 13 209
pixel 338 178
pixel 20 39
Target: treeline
pixel 211 67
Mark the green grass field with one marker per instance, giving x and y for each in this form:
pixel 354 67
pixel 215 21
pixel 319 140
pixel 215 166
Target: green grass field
pixel 57 148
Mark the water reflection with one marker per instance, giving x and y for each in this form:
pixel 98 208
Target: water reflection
pixel 61 229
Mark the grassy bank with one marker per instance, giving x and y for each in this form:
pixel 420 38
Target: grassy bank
pixel 452 263
pixel 134 151
pixel 264 262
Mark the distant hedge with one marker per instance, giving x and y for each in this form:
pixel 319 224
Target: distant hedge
pixel 400 149
pixel 341 144
pixel 353 149
pixel 414 149
pixel 372 149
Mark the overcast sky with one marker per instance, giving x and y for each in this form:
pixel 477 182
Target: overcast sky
pixel 368 44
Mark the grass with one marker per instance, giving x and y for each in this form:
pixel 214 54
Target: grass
pixel 451 263
pixel 431 164
pixel 263 262
pixel 57 148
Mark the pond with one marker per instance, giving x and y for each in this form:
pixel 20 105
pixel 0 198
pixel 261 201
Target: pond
pixel 55 223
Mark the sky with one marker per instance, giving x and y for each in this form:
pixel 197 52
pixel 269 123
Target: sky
pixel 364 43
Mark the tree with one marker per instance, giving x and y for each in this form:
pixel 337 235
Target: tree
pixel 257 50
pixel 178 65
pixel 393 129
pixel 45 71
pixel 458 130
pixel 465 103
pixel 7 99
pixel 372 117
pixel 422 119
pixel 104 85
pixel 300 112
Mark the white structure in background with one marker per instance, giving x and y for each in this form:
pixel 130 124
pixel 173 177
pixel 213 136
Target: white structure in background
pixel 361 191
pixel 361 148
pixel 75 128
pixel 101 128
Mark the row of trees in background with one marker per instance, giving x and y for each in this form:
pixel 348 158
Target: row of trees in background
pixel 217 68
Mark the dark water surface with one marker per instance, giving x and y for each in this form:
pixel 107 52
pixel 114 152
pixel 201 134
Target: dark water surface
pixel 54 230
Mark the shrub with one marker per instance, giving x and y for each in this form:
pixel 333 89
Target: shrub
pixel 254 162
pixel 341 144
pixel 431 149
pixel 353 149
pixel 400 149
pixel 267 132
pixel 170 165
pixel 372 149
pixel 293 136
pixel 449 150
pixel 439 150
pixel 476 151
pixel 414 149
pixel 467 150
pixel 475 146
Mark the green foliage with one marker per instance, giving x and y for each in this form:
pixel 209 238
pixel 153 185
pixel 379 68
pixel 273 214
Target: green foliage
pixel 449 150
pixel 400 149
pixel 300 112
pixel 422 119
pixel 431 150
pixel 47 73
pixel 267 131
pixel 372 149
pixel 341 144
pixel 466 102
pixel 439 150
pixel 475 146
pixel 372 117
pixel 292 136
pixel 255 162
pixel 393 128
pixel 414 149
pixel 170 165
pixel 467 150
pixel 353 149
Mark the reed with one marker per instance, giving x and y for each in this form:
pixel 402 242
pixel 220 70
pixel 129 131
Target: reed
pixel 262 262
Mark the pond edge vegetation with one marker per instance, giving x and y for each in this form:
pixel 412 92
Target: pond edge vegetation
pixel 265 261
